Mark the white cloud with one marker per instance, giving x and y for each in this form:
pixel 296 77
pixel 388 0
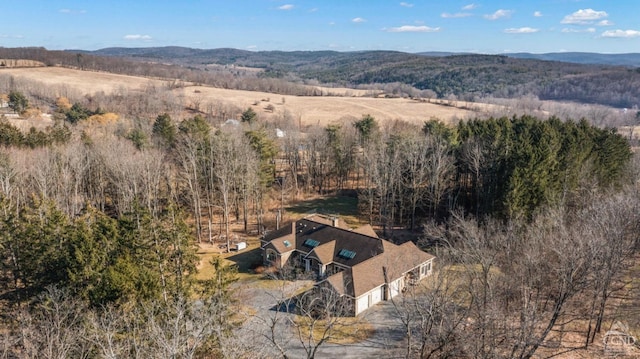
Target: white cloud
pixel 137 37
pixel 499 14
pixel 252 47
pixel 285 7
pixel 412 28
pixel 314 9
pixel 457 15
pixel 358 20
pixel 406 4
pixel 537 14
pixel 584 16
pixel 621 33
pixel 573 31
pixel 469 7
pixel 521 30
pixel 605 23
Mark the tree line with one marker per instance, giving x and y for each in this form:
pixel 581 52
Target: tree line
pixel 497 167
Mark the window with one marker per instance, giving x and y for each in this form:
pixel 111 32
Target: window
pixel 346 254
pixel 311 243
pixel 271 255
pixel 425 269
pixel 287 244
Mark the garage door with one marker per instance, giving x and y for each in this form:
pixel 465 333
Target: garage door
pixel 363 303
pixel 376 295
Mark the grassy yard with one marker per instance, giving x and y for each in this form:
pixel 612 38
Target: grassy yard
pixel 244 260
pixel 346 330
pixel 345 207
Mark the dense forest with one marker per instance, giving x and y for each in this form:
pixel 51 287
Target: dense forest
pixel 101 215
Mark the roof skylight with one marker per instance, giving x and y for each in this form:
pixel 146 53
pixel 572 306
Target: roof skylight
pixel 311 243
pixel 346 254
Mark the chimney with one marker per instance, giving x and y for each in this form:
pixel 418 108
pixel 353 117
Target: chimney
pixel 335 221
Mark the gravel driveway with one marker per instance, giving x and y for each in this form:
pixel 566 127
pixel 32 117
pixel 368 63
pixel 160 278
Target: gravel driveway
pixel 386 342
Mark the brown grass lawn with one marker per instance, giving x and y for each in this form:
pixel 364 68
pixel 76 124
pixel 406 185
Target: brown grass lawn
pixel 345 207
pixel 319 110
pixel 244 260
pixel 346 330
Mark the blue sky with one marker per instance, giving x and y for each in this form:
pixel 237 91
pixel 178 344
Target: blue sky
pixel 482 26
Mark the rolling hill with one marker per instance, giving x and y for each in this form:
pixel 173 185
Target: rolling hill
pixel 607 79
pixel 466 76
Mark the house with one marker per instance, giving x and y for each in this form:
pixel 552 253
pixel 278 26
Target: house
pixel 359 266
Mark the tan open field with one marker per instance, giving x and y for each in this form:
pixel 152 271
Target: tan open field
pixel 88 82
pixel 307 110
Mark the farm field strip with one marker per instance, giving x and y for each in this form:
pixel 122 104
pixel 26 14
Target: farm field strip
pixel 308 110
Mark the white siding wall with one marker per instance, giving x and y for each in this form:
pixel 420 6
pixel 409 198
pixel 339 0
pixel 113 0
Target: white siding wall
pixel 362 303
pixel 377 295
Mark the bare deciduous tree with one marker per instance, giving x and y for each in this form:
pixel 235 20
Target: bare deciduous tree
pixel 54 328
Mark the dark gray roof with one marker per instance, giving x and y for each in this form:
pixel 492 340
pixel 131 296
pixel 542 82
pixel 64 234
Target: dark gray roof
pixel 362 245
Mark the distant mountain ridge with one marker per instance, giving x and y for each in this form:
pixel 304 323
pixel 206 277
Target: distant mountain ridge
pixel 587 58
pixel 231 55
pixel 628 59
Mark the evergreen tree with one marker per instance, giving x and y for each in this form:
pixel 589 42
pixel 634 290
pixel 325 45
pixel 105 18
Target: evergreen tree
pixel 267 151
pixel 77 113
pixel 529 163
pixel 10 135
pixel 92 248
pixel 18 102
pixel 249 116
pixel 165 130
pixel 366 127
